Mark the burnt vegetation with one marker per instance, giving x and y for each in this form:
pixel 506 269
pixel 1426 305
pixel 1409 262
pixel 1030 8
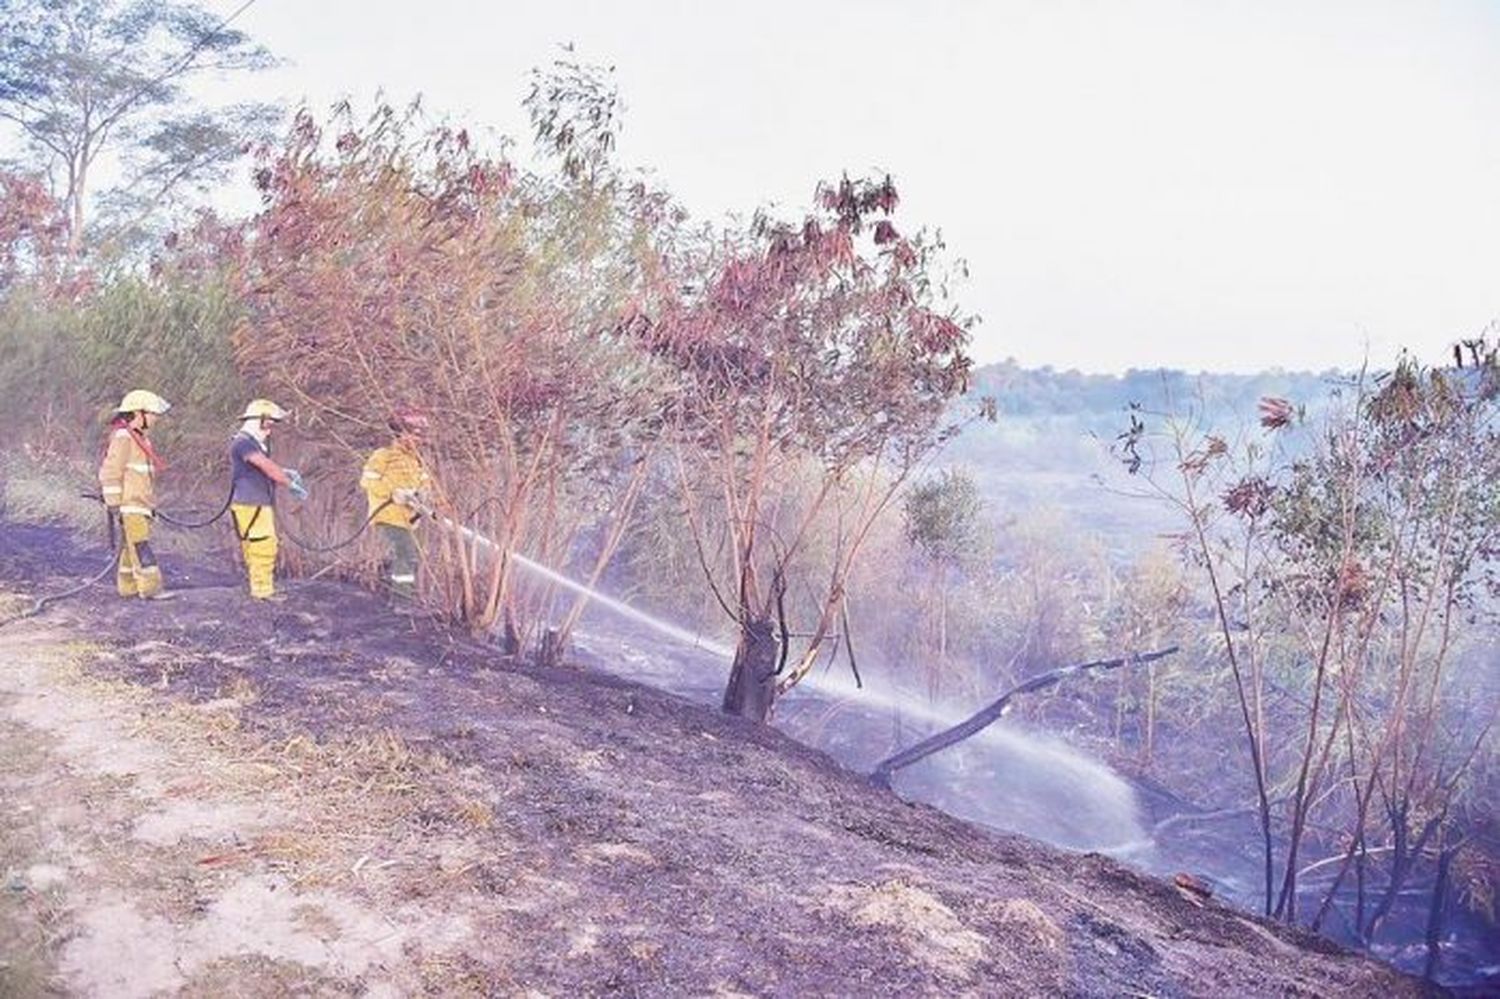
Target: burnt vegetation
pixel 771 431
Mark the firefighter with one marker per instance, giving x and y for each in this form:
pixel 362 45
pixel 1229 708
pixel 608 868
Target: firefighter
pixel 253 496
pixel 126 478
pixel 394 478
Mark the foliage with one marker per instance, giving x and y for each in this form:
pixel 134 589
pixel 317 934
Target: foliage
pixel 575 114
pixel 1346 556
pixel 67 361
pixel 944 517
pixel 398 264
pixel 825 345
pixel 1149 611
pixel 33 230
pixel 944 521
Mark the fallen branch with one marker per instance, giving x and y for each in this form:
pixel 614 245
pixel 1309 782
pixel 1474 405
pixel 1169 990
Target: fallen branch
pixel 881 776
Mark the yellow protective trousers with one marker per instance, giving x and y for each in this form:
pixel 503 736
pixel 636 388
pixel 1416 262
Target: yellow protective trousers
pixel 256 527
pixel 137 574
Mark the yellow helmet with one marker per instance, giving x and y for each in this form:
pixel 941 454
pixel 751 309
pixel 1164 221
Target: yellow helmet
pixel 265 409
pixel 142 401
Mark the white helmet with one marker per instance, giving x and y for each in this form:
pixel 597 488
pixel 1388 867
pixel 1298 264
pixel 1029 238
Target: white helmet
pixel 263 409
pixel 142 401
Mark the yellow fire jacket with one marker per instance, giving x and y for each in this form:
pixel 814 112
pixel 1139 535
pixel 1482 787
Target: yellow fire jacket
pixel 125 475
pixel 387 470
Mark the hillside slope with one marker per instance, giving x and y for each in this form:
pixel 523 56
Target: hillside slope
pixel 214 797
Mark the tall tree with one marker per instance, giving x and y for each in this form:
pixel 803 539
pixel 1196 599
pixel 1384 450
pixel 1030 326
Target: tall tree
pixel 819 360
pixel 82 78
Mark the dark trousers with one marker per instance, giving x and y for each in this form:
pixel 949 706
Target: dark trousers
pixel 402 568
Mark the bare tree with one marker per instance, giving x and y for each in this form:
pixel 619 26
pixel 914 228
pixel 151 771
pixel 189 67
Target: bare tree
pixel 1343 558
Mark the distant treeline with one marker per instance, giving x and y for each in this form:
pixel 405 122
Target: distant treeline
pixel 1021 391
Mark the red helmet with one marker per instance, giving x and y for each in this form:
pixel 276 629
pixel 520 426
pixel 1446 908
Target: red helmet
pixel 408 420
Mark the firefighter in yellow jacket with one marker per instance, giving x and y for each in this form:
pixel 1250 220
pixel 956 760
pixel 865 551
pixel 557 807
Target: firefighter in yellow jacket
pixel 126 479
pixel 393 478
pixel 253 494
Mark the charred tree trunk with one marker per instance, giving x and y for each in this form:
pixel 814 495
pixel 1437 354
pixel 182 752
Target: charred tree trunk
pixel 1398 874
pixel 1360 896
pixel 751 690
pixel 553 648
pixel 1435 914
pixel 1331 895
pixel 1403 858
pixel 510 637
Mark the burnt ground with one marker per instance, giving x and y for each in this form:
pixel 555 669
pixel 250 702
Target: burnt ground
pixel 212 796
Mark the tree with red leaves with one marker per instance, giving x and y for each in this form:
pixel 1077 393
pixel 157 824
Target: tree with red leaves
pixel 33 228
pixel 818 361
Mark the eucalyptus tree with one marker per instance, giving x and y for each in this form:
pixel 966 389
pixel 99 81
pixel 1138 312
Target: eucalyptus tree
pixel 88 82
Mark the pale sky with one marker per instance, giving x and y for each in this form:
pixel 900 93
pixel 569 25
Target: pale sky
pixel 1215 185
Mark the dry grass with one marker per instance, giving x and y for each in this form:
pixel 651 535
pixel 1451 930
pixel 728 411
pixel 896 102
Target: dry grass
pixel 927 928
pixel 337 797
pixel 456 976
pixel 255 976
pixel 14 604
pixel 242 691
pixel 45 492
pixel 474 813
pixel 343 796
pixel 1024 918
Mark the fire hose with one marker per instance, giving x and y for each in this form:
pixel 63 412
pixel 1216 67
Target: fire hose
pixel 192 525
pixel 336 545
pixel 42 602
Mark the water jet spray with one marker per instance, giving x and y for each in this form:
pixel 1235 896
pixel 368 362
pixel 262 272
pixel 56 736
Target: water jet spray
pixel 1023 783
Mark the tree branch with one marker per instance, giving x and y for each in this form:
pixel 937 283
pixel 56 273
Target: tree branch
pixel 881 776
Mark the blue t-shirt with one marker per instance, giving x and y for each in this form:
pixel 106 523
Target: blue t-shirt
pixel 251 485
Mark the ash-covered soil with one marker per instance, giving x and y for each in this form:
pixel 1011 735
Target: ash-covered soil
pixel 321 768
